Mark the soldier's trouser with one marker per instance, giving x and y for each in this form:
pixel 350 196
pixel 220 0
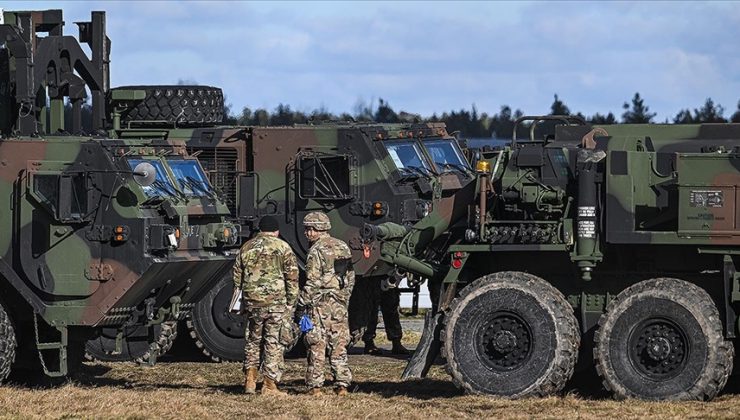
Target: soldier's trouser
pixel 389 302
pixel 332 332
pixel 262 333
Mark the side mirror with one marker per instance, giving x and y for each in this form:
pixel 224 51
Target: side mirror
pixel 145 174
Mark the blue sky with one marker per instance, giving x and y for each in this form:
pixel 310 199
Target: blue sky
pixel 427 57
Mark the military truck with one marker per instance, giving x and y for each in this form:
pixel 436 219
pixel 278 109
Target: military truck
pixel 115 230
pixel 356 172
pixel 621 241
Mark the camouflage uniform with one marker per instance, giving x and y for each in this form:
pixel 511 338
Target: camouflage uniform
pixel 326 295
pixel 267 272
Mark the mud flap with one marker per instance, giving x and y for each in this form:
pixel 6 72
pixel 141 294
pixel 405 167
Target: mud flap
pixel 427 350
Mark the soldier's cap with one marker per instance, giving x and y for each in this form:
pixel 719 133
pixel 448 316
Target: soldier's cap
pixel 269 224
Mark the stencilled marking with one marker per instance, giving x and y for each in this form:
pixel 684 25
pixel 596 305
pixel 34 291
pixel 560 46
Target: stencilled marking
pixel 706 198
pixel 586 229
pixel 587 211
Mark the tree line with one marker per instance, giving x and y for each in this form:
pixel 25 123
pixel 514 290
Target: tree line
pixel 471 123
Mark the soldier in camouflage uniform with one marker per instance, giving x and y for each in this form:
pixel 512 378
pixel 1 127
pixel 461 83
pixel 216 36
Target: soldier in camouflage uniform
pixel 267 273
pixel 329 283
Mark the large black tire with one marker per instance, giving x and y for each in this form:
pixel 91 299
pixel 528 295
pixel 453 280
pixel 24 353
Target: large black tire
pixel 218 333
pixel 661 339
pixel 135 346
pixel 7 344
pixel 510 334
pixel 184 105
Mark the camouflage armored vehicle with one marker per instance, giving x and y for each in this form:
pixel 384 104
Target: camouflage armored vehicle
pixel 621 241
pixel 355 172
pixel 114 231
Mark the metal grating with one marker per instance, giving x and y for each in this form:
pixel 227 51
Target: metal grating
pixel 220 165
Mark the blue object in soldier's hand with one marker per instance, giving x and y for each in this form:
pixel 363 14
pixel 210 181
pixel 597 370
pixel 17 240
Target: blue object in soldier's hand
pixel 306 324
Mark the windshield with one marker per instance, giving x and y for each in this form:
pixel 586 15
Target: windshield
pixel 161 185
pixel 445 154
pixel 407 157
pixel 190 177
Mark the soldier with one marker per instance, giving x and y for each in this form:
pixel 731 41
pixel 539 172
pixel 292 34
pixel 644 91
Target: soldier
pixel 267 273
pixel 329 282
pixel 389 301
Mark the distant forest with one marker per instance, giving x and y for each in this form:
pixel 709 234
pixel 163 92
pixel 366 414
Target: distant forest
pixel 469 123
pixel 472 123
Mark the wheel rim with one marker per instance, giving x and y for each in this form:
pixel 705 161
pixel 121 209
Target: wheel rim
pixel 658 349
pixel 504 342
pixel 231 325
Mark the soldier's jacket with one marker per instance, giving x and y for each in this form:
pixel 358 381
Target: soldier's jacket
pixel 329 273
pixel 267 271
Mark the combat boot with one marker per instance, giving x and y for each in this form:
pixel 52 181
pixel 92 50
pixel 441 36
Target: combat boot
pixel 398 348
pixel 270 387
pixel 372 349
pixel 341 391
pixel 250 383
pixel 314 392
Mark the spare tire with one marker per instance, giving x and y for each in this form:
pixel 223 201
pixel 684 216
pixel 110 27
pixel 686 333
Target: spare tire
pixel 183 105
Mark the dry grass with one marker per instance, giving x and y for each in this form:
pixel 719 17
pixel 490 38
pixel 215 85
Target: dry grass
pixel 200 389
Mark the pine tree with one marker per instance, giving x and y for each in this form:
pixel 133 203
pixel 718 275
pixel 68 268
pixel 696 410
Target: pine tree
pixel 639 113
pixel 736 115
pixel 558 107
pixel 385 114
pixel 709 113
pixel 683 117
pixel 603 119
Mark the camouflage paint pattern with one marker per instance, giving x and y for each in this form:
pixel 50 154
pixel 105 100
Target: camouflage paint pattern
pixel 257 167
pixel 267 272
pixel 668 192
pixel 259 171
pixel 326 297
pixel 263 341
pixel 71 266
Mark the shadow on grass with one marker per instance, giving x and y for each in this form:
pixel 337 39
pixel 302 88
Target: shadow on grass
pixel 35 379
pixel 422 389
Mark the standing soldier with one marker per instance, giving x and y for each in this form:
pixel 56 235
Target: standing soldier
pixel 267 273
pixel 389 301
pixel 329 282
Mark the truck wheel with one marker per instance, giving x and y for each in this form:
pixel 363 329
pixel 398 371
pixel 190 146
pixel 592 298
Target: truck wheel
pixel 511 334
pixel 661 339
pixel 7 344
pixel 218 333
pixel 135 343
pixel 181 104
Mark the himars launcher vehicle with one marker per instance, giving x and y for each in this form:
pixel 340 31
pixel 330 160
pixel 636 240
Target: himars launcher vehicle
pixel 117 230
pixel 355 172
pixel 621 241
